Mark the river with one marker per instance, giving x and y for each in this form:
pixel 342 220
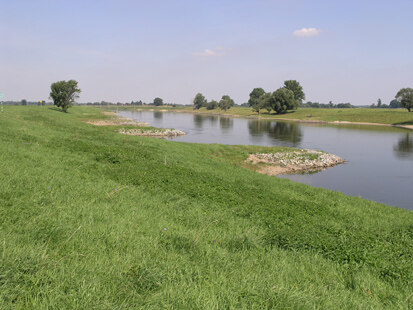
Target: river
pixel 379 159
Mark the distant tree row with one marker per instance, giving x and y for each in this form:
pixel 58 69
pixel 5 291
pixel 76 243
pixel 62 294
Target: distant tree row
pixel 403 99
pixel 156 102
pixel 329 105
pixel 25 102
pixel 224 104
pixel 394 104
pixel 288 97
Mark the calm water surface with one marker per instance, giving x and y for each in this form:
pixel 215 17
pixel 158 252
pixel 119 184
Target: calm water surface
pixel 379 159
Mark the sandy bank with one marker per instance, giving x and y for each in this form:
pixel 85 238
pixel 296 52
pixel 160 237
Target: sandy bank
pixel 152 132
pixel 293 162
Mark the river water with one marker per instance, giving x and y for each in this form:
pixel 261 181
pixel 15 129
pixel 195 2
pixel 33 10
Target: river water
pixel 379 159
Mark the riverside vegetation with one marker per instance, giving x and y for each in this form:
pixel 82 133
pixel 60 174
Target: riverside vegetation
pixel 91 218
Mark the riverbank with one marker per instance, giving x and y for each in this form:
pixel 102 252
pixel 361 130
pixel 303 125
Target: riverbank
pixel 104 220
pixel 131 127
pixel 295 161
pixel 357 116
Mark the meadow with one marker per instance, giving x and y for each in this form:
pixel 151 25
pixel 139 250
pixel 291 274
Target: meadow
pixel 92 219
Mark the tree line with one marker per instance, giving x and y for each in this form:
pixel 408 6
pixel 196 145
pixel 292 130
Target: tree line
pixel 224 104
pixel 329 105
pixel 288 97
pixel 394 104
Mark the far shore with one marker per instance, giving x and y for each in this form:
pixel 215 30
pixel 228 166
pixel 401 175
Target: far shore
pixel 233 113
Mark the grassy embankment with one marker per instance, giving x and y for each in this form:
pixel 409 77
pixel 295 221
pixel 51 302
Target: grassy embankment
pixel 362 115
pixel 92 219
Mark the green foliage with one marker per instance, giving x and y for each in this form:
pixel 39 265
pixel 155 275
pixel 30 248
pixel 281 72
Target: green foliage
pixel 157 101
pixel 124 222
pixel 199 101
pixel 297 89
pixel 226 103
pixel 395 104
pixel 282 100
pixel 405 96
pixel 64 94
pixel 23 102
pixel 212 105
pixel 379 103
pixel 254 102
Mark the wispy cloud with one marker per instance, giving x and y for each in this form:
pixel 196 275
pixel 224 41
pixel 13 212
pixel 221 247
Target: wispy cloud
pixel 219 51
pixel 307 32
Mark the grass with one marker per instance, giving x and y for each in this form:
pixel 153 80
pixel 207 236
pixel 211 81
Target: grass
pixel 364 115
pixel 92 219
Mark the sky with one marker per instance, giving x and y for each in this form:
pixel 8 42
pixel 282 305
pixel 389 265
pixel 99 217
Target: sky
pixel 124 50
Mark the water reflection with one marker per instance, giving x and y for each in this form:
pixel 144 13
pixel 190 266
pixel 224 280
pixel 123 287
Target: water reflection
pixel 157 115
pixel 404 147
pixel 198 120
pixel 226 123
pixel 212 119
pixel 282 131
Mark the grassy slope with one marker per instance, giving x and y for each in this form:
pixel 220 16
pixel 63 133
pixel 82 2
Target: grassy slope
pixel 83 213
pixel 381 116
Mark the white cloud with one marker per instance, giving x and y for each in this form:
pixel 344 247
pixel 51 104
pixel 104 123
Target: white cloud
pixel 307 32
pixel 219 51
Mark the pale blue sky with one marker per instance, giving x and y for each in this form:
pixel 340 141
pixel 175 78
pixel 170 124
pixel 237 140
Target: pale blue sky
pixel 124 50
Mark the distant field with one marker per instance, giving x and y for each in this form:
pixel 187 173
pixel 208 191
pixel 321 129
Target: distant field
pixel 381 116
pixel 92 219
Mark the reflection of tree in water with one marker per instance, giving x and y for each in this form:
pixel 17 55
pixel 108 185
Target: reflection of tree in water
pixel 157 115
pixel 212 119
pixel 283 131
pixel 404 147
pixel 226 122
pixel 198 120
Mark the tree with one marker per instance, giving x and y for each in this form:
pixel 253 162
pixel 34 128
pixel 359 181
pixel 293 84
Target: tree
pixel 64 94
pixel 379 103
pixel 212 105
pixel 282 100
pixel 395 104
pixel 254 102
pixel 297 89
pixel 24 102
pixel 157 101
pixel 405 96
pixel 226 103
pixel 264 102
pixel 199 101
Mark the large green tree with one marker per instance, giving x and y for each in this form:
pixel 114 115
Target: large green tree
pixel 226 103
pixel 255 100
pixel 212 105
pixel 64 94
pixel 282 100
pixel 405 96
pixel 157 101
pixel 297 89
pixel 199 101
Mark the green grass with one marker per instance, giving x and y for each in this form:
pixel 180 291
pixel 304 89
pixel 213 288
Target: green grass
pixel 364 115
pixel 92 219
